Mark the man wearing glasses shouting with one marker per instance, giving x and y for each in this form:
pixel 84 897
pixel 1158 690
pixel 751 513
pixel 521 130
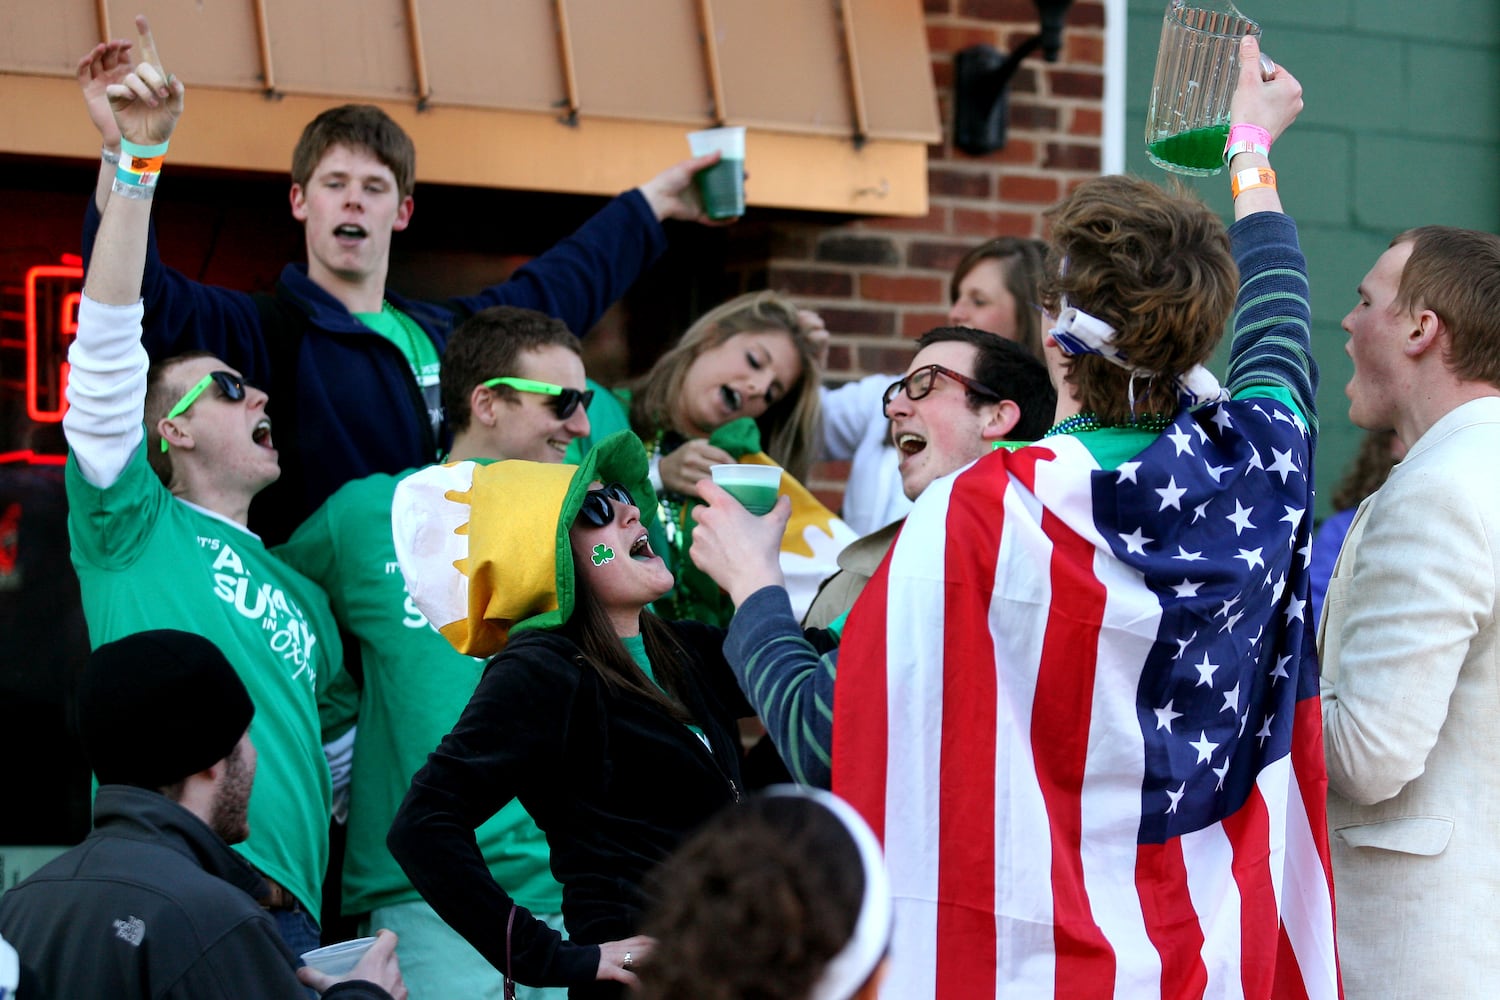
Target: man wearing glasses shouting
pixel 512 387
pixel 964 393
pixel 157 517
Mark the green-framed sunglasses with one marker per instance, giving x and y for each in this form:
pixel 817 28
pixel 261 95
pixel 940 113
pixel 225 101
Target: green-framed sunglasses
pixel 230 384
pixel 565 402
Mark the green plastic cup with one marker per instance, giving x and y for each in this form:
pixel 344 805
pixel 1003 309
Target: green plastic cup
pixel 756 487
pixel 721 186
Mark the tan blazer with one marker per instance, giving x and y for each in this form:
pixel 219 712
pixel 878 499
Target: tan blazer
pixel 1411 721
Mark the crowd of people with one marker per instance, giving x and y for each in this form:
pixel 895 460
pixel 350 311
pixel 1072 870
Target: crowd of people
pixel 1058 719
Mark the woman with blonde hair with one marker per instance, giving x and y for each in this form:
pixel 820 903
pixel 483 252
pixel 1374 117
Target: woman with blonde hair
pixel 741 384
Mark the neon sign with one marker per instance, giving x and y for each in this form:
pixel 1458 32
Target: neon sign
pixel 53 292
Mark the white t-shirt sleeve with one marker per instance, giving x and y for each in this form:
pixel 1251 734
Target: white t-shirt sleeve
pixel 106 390
pixel 848 412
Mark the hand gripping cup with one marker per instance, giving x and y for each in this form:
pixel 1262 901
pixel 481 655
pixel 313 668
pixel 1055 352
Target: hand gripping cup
pixel 1197 68
pixel 721 186
pixel 338 959
pixel 754 486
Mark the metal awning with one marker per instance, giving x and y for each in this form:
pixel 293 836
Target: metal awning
pixel 583 96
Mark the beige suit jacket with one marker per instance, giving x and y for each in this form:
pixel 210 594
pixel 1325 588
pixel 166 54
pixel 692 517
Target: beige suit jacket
pixel 1411 721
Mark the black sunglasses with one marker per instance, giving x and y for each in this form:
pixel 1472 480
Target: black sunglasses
pixel 919 383
pixel 597 509
pixel 564 400
pixel 229 384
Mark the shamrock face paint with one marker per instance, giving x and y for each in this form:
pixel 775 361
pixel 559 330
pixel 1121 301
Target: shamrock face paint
pixel 602 554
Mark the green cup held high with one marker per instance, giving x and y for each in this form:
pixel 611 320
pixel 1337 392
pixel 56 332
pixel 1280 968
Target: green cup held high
pixel 721 186
pixel 756 487
pixel 1197 68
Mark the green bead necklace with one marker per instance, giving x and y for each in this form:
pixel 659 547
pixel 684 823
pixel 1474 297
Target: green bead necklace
pixel 1079 422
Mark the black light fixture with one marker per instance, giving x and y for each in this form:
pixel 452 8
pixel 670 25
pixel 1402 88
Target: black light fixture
pixel 981 82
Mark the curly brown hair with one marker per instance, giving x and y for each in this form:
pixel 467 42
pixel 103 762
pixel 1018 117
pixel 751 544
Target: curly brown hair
pixel 1156 266
pixel 753 906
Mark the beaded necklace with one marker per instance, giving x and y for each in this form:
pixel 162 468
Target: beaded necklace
pixel 1079 422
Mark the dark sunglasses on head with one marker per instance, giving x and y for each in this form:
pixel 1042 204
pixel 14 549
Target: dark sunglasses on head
pixel 229 384
pixel 565 400
pixel 597 509
pixel 919 383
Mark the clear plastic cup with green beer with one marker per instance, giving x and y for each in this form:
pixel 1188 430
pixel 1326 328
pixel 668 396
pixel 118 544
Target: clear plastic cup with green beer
pixel 756 487
pixel 1197 68
pixel 721 186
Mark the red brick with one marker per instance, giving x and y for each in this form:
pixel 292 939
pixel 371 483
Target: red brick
pixel 853 248
pixel 900 288
pixel 878 322
pixel 837 471
pixel 959 183
pixel 935 256
pixel 1016 152
pixel 937 6
pixel 787 243
pixel 840 356
pixel 1087 121
pixel 998 10
pixel 1032 115
pixel 1019 187
pixel 988 224
pixel 1071 156
pixel 1069 84
pixel 1086 14
pixel 1079 47
pixel 913 325
pixel 797 281
pixel 884 359
pixel 942 73
pixel 935 221
pixel 951 38
pixel 832 499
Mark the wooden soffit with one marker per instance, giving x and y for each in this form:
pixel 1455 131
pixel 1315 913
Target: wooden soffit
pixel 580 96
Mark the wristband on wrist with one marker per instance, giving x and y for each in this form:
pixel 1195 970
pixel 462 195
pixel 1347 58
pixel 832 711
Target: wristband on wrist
pixel 1249 180
pixel 1245 134
pixel 140 192
pixel 109 156
pixel 139 166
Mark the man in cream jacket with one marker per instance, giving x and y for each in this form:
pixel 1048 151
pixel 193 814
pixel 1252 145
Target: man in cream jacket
pixel 1411 665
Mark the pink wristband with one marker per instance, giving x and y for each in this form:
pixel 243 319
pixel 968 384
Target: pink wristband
pixel 1244 131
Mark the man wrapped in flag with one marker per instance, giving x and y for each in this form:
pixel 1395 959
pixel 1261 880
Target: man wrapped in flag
pixel 1073 700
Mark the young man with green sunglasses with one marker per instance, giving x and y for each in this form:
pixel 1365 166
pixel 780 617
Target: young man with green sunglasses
pixel 163 464
pixel 512 388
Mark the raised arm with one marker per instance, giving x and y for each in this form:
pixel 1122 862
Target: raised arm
pixel 106 385
pixel 1271 352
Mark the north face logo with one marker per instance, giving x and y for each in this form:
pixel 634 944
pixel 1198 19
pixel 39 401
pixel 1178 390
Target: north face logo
pixel 132 930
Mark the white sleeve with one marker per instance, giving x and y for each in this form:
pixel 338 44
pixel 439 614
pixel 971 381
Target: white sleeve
pixel 106 390
pixel 848 412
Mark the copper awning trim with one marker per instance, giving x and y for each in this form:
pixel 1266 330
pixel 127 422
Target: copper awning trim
pixel 719 112
pixel 565 47
pixel 418 55
pixel 263 39
pixel 851 62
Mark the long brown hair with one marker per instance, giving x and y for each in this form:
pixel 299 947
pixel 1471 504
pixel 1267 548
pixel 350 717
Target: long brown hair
pixel 788 429
pixel 591 630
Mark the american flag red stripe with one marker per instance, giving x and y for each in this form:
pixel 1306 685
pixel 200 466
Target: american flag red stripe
pixel 993 720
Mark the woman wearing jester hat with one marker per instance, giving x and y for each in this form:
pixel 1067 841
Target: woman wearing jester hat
pixel 615 729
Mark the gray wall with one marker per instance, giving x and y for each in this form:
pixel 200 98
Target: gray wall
pixel 1401 128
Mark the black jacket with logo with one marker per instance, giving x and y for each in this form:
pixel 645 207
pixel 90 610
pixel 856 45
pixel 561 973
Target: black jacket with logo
pixel 153 904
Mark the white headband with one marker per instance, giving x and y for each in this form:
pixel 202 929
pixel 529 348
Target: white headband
pixel 847 971
pixel 1076 332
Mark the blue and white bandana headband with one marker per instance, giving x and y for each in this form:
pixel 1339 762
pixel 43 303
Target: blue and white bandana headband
pixel 1076 332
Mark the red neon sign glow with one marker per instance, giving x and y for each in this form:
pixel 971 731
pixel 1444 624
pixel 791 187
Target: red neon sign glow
pixel 46 330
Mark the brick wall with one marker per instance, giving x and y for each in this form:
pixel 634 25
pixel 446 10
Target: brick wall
pixel 879 283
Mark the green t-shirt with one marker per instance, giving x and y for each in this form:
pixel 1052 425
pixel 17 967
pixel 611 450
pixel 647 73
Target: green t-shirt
pixel 421 355
pixel 415 687
pixel 147 560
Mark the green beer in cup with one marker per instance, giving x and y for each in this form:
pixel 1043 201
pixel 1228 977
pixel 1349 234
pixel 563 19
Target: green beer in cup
pixel 721 186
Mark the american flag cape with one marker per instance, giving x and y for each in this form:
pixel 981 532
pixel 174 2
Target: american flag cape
pixel 1074 704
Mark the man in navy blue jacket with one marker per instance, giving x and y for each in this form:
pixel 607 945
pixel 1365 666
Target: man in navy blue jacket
pixel 353 366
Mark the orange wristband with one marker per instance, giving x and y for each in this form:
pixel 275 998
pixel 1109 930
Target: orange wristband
pixel 1249 180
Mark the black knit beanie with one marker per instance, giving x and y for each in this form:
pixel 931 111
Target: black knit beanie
pixel 158 706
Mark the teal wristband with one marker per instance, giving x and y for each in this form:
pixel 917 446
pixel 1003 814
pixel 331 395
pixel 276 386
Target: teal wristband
pixel 131 149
